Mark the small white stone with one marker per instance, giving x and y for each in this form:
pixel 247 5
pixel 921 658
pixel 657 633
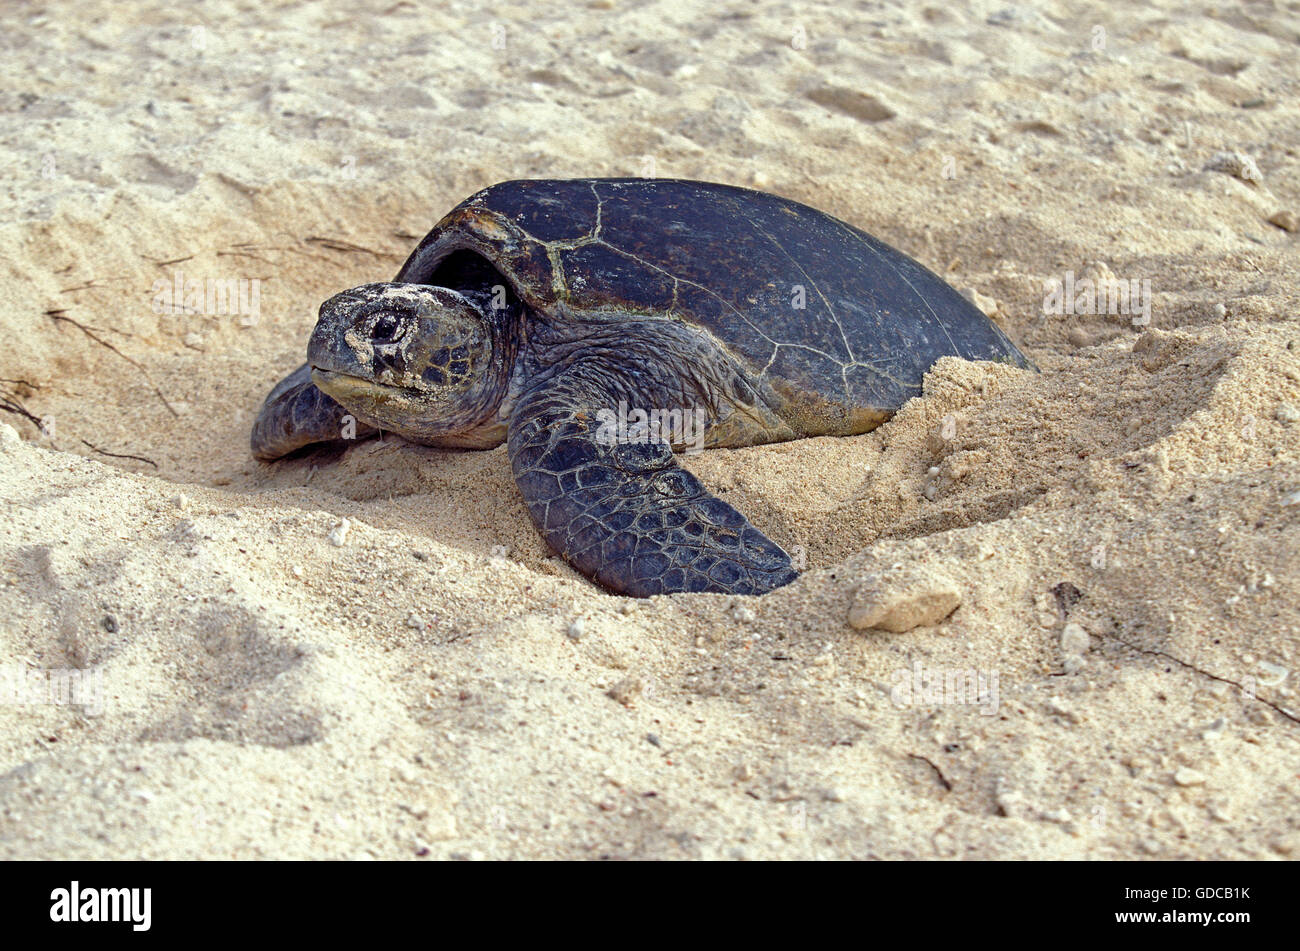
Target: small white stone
pixel 615 777
pixel 1062 709
pixel 339 534
pixel 903 601
pixel 987 304
pixel 1273 674
pixel 576 629
pixel 1075 640
pixel 1015 805
pixel 1286 220
pixel 1186 776
pixel 1286 413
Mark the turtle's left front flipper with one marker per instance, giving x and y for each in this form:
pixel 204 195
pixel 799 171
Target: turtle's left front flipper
pixel 626 514
pixel 297 414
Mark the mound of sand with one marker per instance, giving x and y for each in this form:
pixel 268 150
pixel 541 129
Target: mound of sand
pixel 374 654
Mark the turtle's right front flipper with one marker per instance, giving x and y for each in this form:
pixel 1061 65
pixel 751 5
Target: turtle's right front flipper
pixel 626 514
pixel 297 414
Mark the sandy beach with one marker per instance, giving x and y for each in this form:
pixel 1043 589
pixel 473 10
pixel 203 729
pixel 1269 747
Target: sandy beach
pixel 373 654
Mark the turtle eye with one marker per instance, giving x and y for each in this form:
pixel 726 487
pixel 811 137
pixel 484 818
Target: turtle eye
pixel 385 329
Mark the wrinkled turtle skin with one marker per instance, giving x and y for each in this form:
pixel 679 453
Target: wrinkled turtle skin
pixel 539 313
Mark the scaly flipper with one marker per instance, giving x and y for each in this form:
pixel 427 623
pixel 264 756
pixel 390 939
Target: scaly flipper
pixel 297 414
pixel 626 514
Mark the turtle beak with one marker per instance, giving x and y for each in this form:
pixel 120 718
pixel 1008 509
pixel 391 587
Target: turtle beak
pixel 341 387
pixel 346 388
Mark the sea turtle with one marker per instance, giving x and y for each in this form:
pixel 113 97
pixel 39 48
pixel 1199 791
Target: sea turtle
pixel 591 324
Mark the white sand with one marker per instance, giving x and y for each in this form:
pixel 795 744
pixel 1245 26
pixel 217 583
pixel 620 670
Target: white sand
pixel 415 691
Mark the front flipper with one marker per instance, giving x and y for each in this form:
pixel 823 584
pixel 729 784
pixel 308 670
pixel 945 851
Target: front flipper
pixel 626 514
pixel 297 414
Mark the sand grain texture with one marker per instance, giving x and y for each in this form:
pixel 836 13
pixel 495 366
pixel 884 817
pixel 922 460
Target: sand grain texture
pixel 1122 529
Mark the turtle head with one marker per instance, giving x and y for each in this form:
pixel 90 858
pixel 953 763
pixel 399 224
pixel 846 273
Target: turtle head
pixel 421 361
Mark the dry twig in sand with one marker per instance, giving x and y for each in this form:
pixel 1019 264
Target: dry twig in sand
pixel 59 315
